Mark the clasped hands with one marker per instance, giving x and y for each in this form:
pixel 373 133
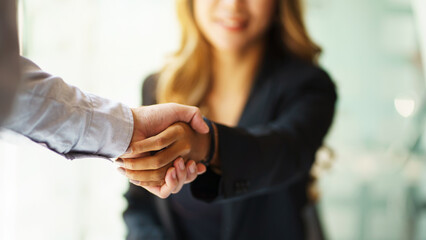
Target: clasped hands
pixel 169 142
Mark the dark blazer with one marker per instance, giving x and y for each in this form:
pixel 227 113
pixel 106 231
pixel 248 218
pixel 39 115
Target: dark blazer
pixel 265 160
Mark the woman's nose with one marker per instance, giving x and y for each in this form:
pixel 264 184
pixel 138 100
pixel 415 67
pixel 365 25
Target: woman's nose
pixel 233 4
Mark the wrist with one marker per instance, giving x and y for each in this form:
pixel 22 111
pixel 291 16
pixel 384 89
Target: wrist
pixel 211 143
pixel 212 160
pixel 205 143
pixel 132 110
pixel 215 164
pixel 137 134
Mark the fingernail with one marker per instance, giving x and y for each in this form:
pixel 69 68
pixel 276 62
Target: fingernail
pixel 181 164
pixel 119 162
pixel 192 168
pixel 174 174
pixel 121 171
pixel 135 182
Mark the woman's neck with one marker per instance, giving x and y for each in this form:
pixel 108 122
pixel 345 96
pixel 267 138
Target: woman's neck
pixel 234 70
pixel 233 75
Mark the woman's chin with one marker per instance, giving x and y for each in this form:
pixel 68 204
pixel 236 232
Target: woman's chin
pixel 229 46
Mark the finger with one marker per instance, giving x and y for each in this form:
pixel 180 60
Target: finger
pixel 153 189
pixel 198 124
pixel 135 155
pixel 181 173
pixel 193 116
pixel 148 184
pixel 146 175
pixel 157 161
pixel 201 168
pixel 155 143
pixel 191 169
pixel 166 189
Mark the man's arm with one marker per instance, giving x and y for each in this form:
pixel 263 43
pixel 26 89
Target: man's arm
pixel 71 122
pixel 67 120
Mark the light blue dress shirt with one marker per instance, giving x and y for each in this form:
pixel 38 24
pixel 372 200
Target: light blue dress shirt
pixel 67 120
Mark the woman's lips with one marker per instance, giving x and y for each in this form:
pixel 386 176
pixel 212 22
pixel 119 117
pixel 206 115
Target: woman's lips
pixel 233 24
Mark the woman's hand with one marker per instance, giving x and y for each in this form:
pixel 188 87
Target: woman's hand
pixel 174 183
pixel 176 176
pixel 178 140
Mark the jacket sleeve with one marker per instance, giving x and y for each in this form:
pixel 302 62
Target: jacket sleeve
pixel 262 158
pixel 141 217
pixel 67 120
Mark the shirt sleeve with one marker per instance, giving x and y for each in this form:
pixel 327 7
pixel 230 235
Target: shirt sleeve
pixel 266 157
pixel 67 120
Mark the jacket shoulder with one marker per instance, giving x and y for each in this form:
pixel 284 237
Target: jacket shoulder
pixel 296 74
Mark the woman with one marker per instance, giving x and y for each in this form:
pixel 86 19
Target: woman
pixel 251 67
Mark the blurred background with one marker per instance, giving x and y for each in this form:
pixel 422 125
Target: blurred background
pixel 374 187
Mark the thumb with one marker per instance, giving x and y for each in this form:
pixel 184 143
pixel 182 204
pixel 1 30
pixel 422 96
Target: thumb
pixel 195 118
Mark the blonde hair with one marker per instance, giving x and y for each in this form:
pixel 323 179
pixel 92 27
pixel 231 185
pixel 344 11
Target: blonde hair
pixel 186 76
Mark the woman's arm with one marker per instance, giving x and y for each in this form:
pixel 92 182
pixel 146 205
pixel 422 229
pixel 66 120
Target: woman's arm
pixel 257 159
pixel 261 158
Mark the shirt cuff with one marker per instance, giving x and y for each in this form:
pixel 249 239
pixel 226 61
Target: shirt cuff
pixel 110 128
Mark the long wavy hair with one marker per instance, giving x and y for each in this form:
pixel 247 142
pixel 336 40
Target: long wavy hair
pixel 186 76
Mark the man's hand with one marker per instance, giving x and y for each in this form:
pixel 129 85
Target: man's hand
pixel 151 120
pixel 159 152
pixel 178 140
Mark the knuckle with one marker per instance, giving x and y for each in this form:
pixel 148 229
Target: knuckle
pixel 156 164
pixel 158 175
pixel 143 184
pixel 197 110
pixel 179 128
pixel 132 148
pixel 131 175
pixel 186 148
pixel 135 148
pixel 190 175
pixel 159 143
pixel 130 164
pixel 138 148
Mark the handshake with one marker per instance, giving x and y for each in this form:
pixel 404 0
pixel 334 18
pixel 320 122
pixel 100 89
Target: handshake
pixel 169 143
